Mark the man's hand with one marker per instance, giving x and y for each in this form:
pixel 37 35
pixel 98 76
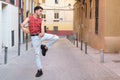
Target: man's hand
pixel 41 35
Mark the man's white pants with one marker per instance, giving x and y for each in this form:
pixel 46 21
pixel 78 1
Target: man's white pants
pixel 36 42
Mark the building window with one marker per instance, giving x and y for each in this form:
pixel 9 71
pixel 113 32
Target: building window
pixel 12 36
pixel 85 10
pixel 56 15
pixel 12 1
pixel 43 1
pixel 96 15
pixel 44 16
pixel 56 1
pixel 90 9
pixel 83 2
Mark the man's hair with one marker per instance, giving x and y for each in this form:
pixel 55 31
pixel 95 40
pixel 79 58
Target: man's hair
pixel 37 8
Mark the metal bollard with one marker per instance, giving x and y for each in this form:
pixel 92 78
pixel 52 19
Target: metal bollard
pixel 76 39
pixel 76 42
pixel 102 55
pixel 19 49
pixel 85 47
pixel 26 42
pixel 81 44
pixel 5 56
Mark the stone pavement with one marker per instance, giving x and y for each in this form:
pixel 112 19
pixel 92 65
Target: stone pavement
pixel 111 60
pixel 63 62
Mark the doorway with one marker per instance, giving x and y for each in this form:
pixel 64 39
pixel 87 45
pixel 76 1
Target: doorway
pixel 55 29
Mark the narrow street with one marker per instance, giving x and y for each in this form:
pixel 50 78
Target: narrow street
pixel 88 48
pixel 63 62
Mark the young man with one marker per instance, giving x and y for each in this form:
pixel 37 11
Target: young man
pixel 36 30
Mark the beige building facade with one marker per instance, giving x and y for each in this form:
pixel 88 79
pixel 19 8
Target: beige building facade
pixel 97 22
pixel 58 15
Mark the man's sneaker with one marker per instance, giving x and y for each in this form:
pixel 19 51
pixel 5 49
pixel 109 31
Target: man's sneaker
pixel 42 46
pixel 39 73
pixel 44 50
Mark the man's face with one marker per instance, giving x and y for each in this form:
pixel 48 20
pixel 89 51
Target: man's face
pixel 39 12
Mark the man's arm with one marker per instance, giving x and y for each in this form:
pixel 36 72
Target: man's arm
pixel 42 29
pixel 26 30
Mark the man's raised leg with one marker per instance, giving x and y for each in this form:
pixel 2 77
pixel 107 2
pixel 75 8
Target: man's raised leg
pixel 51 40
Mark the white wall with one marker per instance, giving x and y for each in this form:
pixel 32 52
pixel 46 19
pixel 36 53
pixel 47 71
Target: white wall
pixel 13 18
pixel 5 25
pixel 0 26
pixel 9 22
